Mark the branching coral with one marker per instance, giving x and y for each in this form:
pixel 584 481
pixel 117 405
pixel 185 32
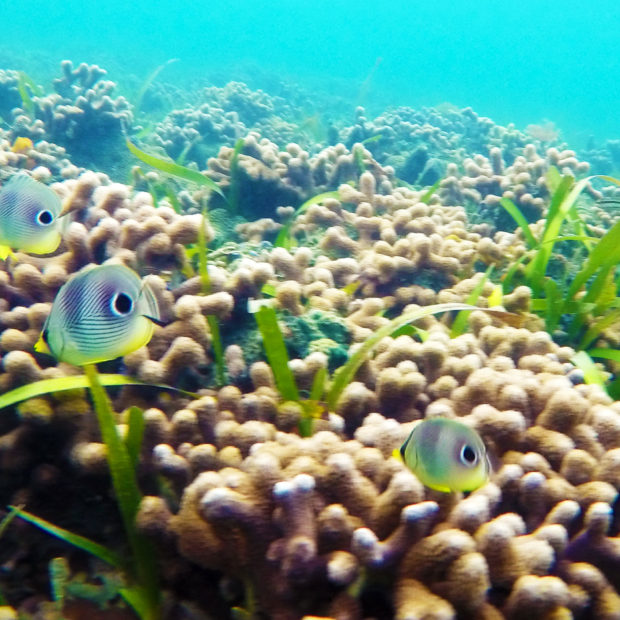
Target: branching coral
pixel 328 525
pixel 82 116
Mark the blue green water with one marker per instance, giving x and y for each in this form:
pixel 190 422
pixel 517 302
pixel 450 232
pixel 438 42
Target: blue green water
pixel 520 61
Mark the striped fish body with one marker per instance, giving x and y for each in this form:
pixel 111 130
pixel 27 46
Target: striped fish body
pixel 29 214
pixel 100 313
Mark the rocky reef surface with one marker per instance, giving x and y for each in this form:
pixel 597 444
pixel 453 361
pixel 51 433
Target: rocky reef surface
pixel 249 518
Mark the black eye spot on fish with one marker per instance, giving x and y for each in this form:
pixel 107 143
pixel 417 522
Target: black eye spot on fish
pixel 122 304
pixel 468 456
pixel 45 218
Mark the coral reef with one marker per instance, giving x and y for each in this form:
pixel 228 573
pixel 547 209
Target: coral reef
pixel 221 115
pixel 244 511
pixel 82 116
pixel 267 177
pixel 418 143
pixel 487 180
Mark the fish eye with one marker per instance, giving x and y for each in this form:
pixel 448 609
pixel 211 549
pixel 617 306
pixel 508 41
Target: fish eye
pixel 121 304
pixel 468 456
pixel 45 217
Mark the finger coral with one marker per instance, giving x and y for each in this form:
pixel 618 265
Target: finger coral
pixel 286 506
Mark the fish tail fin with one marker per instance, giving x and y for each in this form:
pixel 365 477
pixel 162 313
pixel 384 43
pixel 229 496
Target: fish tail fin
pixel 40 345
pixel 397 455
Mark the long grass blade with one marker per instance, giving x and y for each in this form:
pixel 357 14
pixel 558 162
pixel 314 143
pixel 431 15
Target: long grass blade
pixel 428 194
pixel 597 328
pixel 218 349
pixel 235 187
pixel 135 434
pixel 137 599
pixel 601 294
pixel 585 239
pixel 605 253
pixel 203 267
pixel 74 382
pixel 606 177
pixel 81 542
pixel 511 273
pixel 169 167
pixel 147 83
pixel 127 492
pixel 604 296
pixel 128 495
pixel 592 375
pixel 553 178
pixel 180 160
pixel 312 408
pixel 345 374
pixel 540 304
pixel 318 384
pixel 6 521
pixel 172 197
pixel 579 227
pixel 24 83
pixel 277 355
pixel 283 240
pixel 205 289
pixel 521 220
pixel 49 386
pixel 561 202
pixel 613 387
pixel 553 311
pixel 460 322
pixel 605 353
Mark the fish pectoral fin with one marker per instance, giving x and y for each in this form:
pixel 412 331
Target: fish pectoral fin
pixel 41 346
pixel 5 252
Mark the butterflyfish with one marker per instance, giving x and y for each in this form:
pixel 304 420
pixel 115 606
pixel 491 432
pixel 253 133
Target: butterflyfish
pixel 446 455
pixel 101 313
pixel 29 214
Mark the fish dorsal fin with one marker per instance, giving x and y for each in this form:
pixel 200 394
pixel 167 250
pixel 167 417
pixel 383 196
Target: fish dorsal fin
pixel 21 179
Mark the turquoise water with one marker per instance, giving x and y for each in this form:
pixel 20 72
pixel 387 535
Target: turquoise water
pixel 514 61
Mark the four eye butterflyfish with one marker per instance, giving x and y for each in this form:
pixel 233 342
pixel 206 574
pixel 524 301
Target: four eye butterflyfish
pixel 101 313
pixel 446 455
pixel 29 214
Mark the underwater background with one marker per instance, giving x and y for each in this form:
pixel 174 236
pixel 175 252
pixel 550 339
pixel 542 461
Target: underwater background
pixel 309 310
pixel 520 62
